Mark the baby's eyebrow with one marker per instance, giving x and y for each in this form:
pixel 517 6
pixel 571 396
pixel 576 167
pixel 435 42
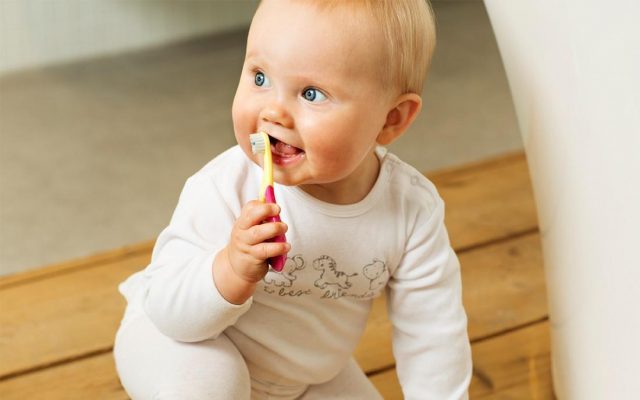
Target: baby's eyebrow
pixel 309 79
pixel 255 59
pixel 306 80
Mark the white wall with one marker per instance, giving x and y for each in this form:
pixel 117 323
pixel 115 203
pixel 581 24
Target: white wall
pixel 40 32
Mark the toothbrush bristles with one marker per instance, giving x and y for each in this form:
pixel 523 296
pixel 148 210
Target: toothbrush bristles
pixel 257 143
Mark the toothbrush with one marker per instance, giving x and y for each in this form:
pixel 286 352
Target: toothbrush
pixel 260 144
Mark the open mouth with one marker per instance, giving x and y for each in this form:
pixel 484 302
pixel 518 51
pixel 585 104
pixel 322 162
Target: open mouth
pixel 284 153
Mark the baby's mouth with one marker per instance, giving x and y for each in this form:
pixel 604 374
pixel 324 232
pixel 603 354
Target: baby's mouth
pixel 283 150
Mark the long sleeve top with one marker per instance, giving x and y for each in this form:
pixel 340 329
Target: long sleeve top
pixel 304 323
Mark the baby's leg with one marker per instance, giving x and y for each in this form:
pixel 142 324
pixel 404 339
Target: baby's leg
pixel 153 366
pixel 351 383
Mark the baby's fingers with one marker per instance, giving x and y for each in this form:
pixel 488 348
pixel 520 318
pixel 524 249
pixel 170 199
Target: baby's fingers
pixel 254 212
pixel 265 250
pixel 261 233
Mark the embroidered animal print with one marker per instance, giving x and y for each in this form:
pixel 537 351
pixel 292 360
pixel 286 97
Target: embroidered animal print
pixel 376 273
pixel 329 274
pixel 286 277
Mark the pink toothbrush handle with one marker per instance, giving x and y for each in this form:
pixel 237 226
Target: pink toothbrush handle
pixel 277 263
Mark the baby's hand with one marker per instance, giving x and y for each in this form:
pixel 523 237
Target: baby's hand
pixel 243 263
pixel 248 247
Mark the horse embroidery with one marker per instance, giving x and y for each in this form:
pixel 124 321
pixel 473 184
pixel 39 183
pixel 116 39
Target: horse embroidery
pixel 330 275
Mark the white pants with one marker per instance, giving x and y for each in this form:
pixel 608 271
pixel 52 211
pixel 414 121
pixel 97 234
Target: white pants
pixel 154 366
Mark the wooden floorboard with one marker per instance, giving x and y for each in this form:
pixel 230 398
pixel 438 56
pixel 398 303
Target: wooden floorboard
pixel 62 317
pixel 87 378
pixel 123 253
pixel 487 201
pixel 503 287
pixel 59 322
pixel 515 365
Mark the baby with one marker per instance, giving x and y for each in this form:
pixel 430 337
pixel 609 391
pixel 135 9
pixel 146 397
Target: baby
pixel 331 82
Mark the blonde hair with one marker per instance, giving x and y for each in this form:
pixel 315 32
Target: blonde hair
pixel 409 30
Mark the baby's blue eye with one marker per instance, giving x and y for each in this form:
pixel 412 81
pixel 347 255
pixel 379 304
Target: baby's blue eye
pixel 313 95
pixel 261 79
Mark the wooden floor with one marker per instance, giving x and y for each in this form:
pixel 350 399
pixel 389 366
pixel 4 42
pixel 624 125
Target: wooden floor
pixel 57 324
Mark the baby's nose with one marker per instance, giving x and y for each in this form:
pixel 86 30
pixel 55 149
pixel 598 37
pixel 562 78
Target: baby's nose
pixel 276 113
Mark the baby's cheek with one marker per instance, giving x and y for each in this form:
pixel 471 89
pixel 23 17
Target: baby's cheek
pixel 243 111
pixel 331 168
pixel 332 149
pixel 239 114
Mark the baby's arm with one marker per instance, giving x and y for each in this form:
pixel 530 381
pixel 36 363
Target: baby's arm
pixel 242 263
pixel 430 341
pixel 180 296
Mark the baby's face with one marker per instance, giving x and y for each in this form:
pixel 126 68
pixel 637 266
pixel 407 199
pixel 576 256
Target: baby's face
pixel 312 80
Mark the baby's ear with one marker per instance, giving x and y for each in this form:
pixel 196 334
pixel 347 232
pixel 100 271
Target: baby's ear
pixel 399 118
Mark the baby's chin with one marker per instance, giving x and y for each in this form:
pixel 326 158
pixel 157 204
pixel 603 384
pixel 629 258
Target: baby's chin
pixel 285 180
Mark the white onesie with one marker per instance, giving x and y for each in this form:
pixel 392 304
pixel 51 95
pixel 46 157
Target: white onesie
pixel 304 324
